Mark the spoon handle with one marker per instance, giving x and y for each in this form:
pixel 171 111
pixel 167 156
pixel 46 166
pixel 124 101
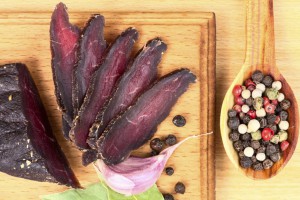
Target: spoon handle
pixel 260 41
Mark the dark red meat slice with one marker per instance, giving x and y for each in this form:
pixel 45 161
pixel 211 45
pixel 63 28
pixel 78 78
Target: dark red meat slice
pixel 136 79
pixel 28 148
pixel 90 53
pixel 138 124
pixel 63 40
pixel 102 84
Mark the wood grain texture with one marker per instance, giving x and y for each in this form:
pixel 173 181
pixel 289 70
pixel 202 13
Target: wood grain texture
pixel 191 43
pixel 260 55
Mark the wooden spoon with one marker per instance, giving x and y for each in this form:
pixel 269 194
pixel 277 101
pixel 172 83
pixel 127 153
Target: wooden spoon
pixel 260 55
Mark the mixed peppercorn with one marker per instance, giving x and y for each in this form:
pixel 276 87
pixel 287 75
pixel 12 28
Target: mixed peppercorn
pixel 259 121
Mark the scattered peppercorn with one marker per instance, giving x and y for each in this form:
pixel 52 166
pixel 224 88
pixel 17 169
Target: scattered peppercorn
pixel 168 197
pixel 179 121
pixel 267 81
pixel 234 136
pixel 268 164
pixel 285 104
pixel 169 171
pixel 233 123
pixel 257 76
pixel 156 144
pixel 180 188
pixel 246 162
pixel 232 113
pixel 283 115
pixel 257 166
pixel 171 140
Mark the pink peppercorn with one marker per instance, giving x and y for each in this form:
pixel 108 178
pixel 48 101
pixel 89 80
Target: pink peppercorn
pixel 277 120
pixel 237 108
pixel 284 145
pixel 275 102
pixel 249 82
pixel 266 101
pixel 239 101
pixel 252 114
pixel 251 88
pixel 267 134
pixel 270 108
pixel 237 90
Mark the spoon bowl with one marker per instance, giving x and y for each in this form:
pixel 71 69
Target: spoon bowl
pixel 260 55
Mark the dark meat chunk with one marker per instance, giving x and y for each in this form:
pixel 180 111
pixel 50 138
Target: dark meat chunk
pixel 136 79
pixel 28 148
pixel 102 84
pixel 138 124
pixel 63 40
pixel 90 53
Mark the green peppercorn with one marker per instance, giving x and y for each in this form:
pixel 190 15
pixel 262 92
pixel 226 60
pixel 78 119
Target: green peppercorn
pixel 272 93
pixel 283 135
pixel 257 76
pixel 256 135
pixel 258 103
pixel 267 81
pixel 275 139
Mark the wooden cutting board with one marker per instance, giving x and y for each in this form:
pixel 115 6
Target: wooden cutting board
pixel 24 37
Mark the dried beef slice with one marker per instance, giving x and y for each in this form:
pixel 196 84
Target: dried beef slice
pixel 28 148
pixel 139 122
pixel 64 39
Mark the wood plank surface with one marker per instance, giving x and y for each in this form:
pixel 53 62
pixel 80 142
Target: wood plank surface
pixel 191 43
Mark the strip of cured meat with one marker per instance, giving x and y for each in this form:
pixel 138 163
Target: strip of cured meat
pixel 139 122
pixel 102 84
pixel 64 39
pixel 90 53
pixel 28 148
pixel 133 82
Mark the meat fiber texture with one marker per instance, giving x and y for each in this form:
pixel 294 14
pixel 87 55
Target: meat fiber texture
pixel 102 84
pixel 64 41
pixel 28 148
pixel 133 82
pixel 90 53
pixel 139 122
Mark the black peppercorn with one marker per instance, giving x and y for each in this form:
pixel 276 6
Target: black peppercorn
pixel 171 140
pixel 255 144
pixel 253 158
pixel 270 149
pixel 249 101
pixel 261 149
pixel 285 104
pixel 169 171
pixel 180 188
pixel 246 119
pixel 241 154
pixel 232 113
pixel 233 123
pixel 275 157
pixel 168 197
pixel 156 144
pixel 273 127
pixel 245 162
pixel 246 144
pixel 283 115
pixel 278 109
pixel 268 164
pixel 179 121
pixel 257 166
pixel 234 136
pixel 271 119
pixel 238 145
pixel 245 137
pixel 257 76
pixel 265 143
pixel 154 153
pixel 263 122
pixel 267 81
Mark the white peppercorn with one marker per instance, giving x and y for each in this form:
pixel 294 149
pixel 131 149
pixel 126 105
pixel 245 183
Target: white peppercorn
pixel 242 128
pixel 246 94
pixel 256 93
pixel 261 112
pixel 261 87
pixel 277 85
pixel 280 97
pixel 261 156
pixel 283 135
pixel 245 108
pixel 249 151
pixel 284 125
pixel 253 125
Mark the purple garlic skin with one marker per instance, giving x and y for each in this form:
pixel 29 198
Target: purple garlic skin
pixel 101 87
pixel 139 122
pixel 90 54
pixel 140 75
pixel 28 148
pixel 64 39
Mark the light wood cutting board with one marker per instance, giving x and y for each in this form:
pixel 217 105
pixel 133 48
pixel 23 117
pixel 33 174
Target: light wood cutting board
pixel 24 37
